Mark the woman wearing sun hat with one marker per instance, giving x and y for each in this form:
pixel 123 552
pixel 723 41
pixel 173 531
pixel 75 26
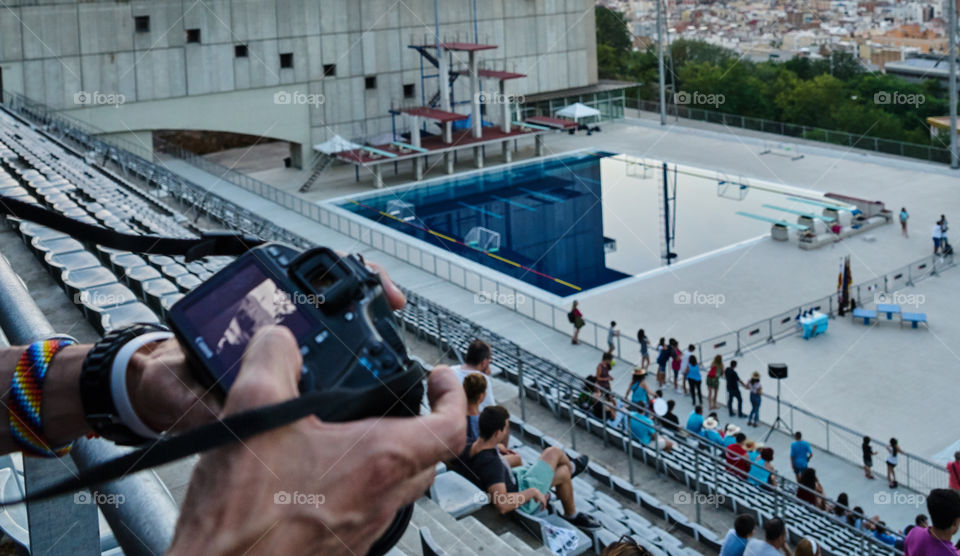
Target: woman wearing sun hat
pixel 729 434
pixel 756 396
pixel 710 431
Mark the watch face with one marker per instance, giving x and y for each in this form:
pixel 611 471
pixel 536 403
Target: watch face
pixel 221 320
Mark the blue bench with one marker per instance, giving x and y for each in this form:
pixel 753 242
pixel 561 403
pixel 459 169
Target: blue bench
pixel 865 314
pixel 913 318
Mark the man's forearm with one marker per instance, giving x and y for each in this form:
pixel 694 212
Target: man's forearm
pixel 62 410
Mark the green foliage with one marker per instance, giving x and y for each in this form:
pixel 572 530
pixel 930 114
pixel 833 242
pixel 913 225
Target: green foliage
pixel 837 94
pixel 612 30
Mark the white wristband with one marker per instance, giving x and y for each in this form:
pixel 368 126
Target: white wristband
pixel 118 383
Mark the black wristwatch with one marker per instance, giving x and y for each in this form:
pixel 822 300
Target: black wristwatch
pixel 96 383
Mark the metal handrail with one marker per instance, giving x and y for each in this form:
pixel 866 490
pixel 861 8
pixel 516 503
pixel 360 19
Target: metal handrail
pixel 777 327
pixel 570 384
pixel 142 521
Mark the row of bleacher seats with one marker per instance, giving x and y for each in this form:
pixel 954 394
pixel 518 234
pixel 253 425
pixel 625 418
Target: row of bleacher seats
pixel 692 462
pixel 112 288
pixel 39 170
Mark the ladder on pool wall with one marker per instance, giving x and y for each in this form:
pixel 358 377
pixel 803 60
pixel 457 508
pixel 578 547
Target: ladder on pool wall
pixel 667 203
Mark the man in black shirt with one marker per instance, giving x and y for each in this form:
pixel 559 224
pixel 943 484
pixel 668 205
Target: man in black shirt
pixel 525 488
pixel 733 389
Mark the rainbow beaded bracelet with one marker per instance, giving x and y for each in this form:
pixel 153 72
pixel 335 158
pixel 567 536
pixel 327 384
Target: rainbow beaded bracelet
pixel 26 397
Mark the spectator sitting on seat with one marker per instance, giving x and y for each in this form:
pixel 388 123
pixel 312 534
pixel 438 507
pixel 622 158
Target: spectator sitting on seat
pixel 475 387
pixel 810 490
pixel 800 454
pixel 736 456
pixel 943 505
pixel 642 429
pixel 477 360
pixel 737 538
pixel 671 418
pixel 695 421
pixel 762 471
pixel 730 434
pixel 883 535
pixel 710 431
pixel 616 412
pixel 841 508
pixel 919 521
pixel 774 543
pixel 808 547
pixel 525 488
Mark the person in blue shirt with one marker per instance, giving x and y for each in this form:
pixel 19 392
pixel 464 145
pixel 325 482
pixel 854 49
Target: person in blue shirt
pixel 762 471
pixel 800 454
pixel 642 429
pixel 638 392
pixel 710 431
pixel 730 434
pixel 882 535
pixel 694 379
pixel 736 540
pixel 695 420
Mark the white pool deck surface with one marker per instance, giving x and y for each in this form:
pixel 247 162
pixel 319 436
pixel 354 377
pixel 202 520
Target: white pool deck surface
pixel 882 380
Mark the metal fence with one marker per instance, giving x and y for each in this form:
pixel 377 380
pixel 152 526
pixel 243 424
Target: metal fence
pixel 920 474
pixel 557 388
pixel 854 140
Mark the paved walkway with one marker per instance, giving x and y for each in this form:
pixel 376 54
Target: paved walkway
pixel 836 474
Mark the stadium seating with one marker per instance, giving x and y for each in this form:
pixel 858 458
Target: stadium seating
pixel 554 387
pixel 113 288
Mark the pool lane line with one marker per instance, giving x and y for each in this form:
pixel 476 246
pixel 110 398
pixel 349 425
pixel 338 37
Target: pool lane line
pixel 458 242
pixel 514 203
pixel 546 196
pixel 480 210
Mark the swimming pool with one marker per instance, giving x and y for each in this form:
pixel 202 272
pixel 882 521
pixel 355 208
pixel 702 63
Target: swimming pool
pixel 575 222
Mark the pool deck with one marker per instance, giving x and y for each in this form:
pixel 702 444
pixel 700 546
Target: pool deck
pixel 866 378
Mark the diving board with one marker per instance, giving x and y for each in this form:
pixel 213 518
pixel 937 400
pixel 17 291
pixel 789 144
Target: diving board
pixel 809 215
pixel 531 126
pixel 822 205
pixel 774 221
pixel 409 147
pixel 378 152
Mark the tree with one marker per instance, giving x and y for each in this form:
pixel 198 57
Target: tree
pixel 612 30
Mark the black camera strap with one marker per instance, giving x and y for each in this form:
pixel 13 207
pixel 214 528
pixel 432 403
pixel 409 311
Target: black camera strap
pixel 228 430
pixel 208 244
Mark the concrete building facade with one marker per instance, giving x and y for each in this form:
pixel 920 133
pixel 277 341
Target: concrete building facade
pixel 295 70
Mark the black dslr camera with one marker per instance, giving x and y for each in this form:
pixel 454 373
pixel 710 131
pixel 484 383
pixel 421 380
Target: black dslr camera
pixel 337 310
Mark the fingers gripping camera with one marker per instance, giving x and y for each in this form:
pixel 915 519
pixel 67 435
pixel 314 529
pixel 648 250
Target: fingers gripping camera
pixel 335 307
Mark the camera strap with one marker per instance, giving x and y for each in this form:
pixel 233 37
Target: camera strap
pixel 166 449
pixel 208 244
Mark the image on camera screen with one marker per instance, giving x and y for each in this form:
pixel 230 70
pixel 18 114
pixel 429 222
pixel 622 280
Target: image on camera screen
pixel 229 316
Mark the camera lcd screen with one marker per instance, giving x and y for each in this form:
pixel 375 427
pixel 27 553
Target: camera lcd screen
pixel 229 315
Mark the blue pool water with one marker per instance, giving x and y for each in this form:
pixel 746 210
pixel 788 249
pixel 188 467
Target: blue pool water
pixel 555 216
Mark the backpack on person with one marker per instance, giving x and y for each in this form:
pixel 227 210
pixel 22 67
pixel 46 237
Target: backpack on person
pixel 572 317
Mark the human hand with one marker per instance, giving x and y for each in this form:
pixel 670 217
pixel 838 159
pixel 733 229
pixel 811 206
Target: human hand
pixel 167 396
pixel 540 498
pixel 312 487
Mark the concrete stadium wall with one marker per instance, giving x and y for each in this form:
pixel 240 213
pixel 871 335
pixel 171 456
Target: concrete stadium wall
pixel 52 51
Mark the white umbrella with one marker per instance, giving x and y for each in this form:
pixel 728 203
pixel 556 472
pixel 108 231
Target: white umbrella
pixel 577 111
pixel 335 144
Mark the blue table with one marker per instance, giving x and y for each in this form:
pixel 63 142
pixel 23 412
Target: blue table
pixel 865 314
pixel 888 308
pixel 813 325
pixel 913 318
